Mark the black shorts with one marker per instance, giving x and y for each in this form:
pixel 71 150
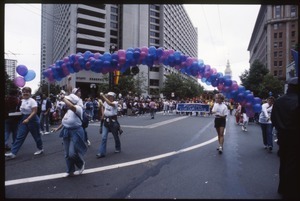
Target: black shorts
pixel 220 122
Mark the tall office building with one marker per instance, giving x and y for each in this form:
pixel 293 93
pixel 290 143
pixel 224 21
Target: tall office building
pixel 10 68
pixel 72 28
pixel 275 34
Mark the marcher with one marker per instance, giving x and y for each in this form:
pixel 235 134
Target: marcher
pixel 73 135
pixel 238 113
pixel 152 107
pixel 12 105
pixel 266 124
pixel 285 118
pixel 245 119
pixel 46 105
pixel 29 122
pixel 110 123
pixel 221 111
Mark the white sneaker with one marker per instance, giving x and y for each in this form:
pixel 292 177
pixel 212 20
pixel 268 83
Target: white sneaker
pixel 82 168
pixel 243 128
pixel 220 150
pixel 10 155
pixel 39 152
pixel 46 133
pixel 42 132
pixel 88 143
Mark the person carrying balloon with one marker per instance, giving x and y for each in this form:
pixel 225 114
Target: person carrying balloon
pixel 29 122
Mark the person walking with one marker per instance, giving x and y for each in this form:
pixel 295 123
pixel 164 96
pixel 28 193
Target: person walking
pixel 29 122
pixel 221 111
pixel 245 119
pixel 285 118
pixel 152 106
pixel 238 114
pixel 110 123
pixel 46 105
pixel 73 135
pixel 266 123
pixel 12 105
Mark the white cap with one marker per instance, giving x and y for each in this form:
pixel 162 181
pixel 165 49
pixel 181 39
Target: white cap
pixel 111 94
pixel 73 98
pixel 75 90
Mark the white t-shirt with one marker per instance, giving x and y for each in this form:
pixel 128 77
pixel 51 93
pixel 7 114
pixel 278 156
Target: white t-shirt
pixel 27 105
pixel 71 120
pixel 220 109
pixel 44 102
pixel 109 110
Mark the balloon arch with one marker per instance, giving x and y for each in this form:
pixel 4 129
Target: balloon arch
pixel 121 60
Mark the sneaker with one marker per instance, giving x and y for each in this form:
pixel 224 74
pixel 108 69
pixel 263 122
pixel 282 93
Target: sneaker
pixel 243 129
pixel 220 150
pixel 265 147
pixel 46 133
pixel 69 174
pixel 270 149
pixel 7 148
pixel 10 155
pixel 82 168
pixel 42 132
pixel 120 131
pixel 39 152
pixel 88 143
pixel 100 156
pixel 117 151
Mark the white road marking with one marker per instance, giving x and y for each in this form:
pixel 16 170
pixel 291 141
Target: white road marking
pixel 109 167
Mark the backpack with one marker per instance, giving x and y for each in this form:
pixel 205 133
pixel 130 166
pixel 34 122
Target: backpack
pixel 84 120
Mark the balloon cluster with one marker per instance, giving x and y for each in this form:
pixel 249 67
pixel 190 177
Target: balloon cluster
pixel 25 76
pixel 121 60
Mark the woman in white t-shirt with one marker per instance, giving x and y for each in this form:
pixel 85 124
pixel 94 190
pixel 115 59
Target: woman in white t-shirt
pixel 29 123
pixel 221 111
pixel 73 134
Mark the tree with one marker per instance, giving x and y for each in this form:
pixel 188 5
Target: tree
pixel 270 84
pixel 181 88
pixel 260 82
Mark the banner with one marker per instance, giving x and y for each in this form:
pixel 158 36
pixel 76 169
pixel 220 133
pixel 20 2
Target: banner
pixel 192 107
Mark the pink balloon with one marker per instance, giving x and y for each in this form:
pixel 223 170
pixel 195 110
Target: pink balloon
pixel 144 49
pixel 121 53
pixel 19 81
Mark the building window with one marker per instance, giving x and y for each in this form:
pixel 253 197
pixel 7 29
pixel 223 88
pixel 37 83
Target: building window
pixel 113 25
pixel 275 45
pixel 280 54
pixel 275 63
pixel 280 44
pixel 275 26
pixel 275 73
pixel 280 35
pixel 293 11
pixel 275 35
pixel 280 63
pixel 114 10
pixel 280 73
pixel 154 82
pixel 277 13
pixel 293 34
pixel 275 54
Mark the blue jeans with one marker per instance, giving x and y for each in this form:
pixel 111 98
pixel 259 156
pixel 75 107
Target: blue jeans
pixel 33 126
pixel 267 134
pixel 114 129
pixel 11 127
pixel 44 119
pixel 74 146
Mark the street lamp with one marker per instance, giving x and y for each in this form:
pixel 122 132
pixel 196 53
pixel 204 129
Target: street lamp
pixel 112 49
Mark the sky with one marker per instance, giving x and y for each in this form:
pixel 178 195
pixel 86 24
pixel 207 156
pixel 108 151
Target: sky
pixel 224 33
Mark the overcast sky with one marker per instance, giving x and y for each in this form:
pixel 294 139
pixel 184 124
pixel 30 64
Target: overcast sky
pixel 224 32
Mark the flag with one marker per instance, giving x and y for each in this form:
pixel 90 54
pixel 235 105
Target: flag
pixel 116 77
pixel 296 59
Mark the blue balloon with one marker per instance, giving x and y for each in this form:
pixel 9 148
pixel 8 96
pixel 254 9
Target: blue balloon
pixel 22 70
pixel 29 76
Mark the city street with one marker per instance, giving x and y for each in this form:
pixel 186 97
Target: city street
pixel 171 156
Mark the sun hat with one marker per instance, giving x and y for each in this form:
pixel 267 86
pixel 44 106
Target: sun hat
pixel 73 98
pixel 75 90
pixel 111 94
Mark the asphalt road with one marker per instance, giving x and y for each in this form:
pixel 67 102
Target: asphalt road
pixel 171 156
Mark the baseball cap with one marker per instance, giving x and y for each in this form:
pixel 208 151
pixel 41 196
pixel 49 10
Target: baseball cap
pixel 111 94
pixel 75 90
pixel 73 98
